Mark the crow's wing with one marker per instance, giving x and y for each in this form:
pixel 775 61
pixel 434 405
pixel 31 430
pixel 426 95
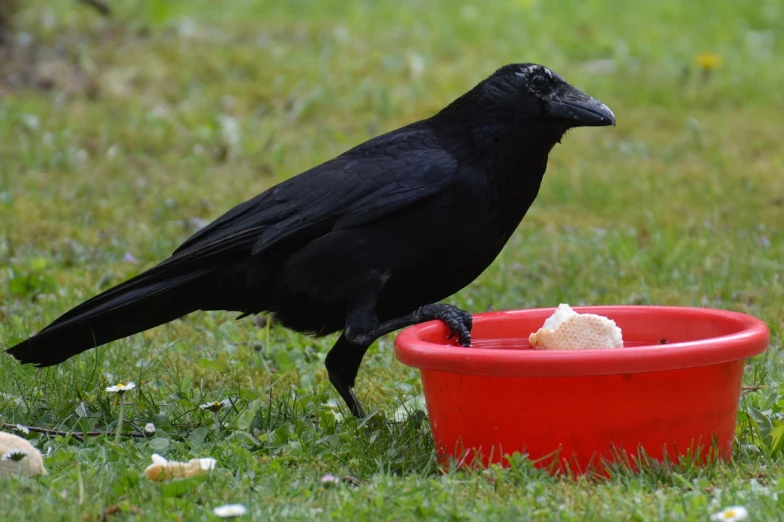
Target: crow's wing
pixel 377 178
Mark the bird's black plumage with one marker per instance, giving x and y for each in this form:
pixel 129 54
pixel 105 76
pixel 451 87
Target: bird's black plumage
pixel 364 243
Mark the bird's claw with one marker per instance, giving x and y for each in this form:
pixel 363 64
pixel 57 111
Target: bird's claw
pixel 348 395
pixel 458 321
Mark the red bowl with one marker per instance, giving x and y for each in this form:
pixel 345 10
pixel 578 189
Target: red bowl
pixel 671 392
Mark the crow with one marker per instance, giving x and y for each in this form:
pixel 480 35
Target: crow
pixel 366 243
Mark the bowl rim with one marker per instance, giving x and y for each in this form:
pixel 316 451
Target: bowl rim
pixel 752 338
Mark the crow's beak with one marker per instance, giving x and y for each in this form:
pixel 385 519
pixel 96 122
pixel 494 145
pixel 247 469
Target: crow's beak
pixel 579 109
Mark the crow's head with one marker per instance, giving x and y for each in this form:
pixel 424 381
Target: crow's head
pixel 542 92
pixel 526 93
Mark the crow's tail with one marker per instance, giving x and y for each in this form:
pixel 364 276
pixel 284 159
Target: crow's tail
pixel 152 298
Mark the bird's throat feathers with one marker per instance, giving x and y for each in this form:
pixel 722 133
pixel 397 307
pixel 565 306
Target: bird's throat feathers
pixel 507 140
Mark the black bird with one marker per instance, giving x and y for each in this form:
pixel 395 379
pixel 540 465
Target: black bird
pixel 365 243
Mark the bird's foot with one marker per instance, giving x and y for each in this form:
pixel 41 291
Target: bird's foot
pixel 458 321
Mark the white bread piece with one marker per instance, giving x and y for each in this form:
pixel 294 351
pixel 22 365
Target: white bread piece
pixel 162 469
pixel 568 330
pixel 31 464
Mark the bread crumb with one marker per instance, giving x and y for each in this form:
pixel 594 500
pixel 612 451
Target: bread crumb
pixel 30 465
pixel 162 469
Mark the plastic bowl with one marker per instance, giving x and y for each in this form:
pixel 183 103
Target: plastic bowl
pixel 671 392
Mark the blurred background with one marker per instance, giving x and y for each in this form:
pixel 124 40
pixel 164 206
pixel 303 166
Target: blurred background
pixel 127 125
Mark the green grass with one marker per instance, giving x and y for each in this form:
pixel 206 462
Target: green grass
pixel 116 138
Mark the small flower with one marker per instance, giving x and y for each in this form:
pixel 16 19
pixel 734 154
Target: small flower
pixel 121 388
pixel 213 406
pixel 149 428
pixel 329 478
pixel 709 61
pixel 22 429
pixel 14 454
pixel 731 514
pixel 230 510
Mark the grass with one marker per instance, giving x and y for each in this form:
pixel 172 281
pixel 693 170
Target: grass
pixel 118 137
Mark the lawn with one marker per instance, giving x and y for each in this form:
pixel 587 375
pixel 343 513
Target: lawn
pixel 120 137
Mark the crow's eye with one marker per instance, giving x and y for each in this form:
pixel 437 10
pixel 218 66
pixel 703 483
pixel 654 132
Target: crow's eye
pixel 539 81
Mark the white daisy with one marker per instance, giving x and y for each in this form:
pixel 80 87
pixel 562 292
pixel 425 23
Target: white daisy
pixel 14 454
pixel 149 428
pixel 230 510
pixel 213 406
pixel 22 429
pixel 121 388
pixel 731 514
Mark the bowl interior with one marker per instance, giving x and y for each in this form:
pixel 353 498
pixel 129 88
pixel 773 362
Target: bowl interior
pixel 655 338
pixel 510 330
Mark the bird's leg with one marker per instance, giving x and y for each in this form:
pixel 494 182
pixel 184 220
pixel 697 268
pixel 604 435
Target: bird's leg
pixel 342 364
pixel 458 321
pixel 363 328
